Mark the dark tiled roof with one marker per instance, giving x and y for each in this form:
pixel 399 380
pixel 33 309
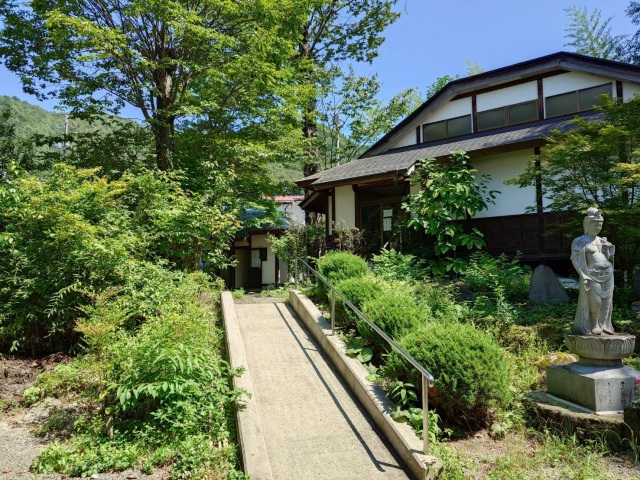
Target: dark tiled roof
pixel 399 161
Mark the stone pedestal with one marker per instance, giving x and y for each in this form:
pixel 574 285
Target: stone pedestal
pixel 598 381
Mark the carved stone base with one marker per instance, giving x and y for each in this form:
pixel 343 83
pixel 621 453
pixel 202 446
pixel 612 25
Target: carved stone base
pixel 603 350
pixel 598 388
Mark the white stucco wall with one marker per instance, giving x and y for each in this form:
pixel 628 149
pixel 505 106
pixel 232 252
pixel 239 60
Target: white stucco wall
pixel 572 81
pixel 507 96
pixel 629 90
pixel 455 108
pixel 408 139
pixel 512 200
pixel 345 206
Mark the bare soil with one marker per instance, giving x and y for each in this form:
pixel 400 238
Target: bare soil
pixel 481 454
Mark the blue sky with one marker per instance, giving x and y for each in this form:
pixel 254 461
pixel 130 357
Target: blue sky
pixel 434 38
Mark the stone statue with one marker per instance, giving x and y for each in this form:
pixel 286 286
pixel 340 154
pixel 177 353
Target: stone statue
pixel 592 257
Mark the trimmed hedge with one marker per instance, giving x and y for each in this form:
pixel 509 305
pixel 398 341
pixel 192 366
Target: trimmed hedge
pixel 472 374
pixel 395 312
pixel 358 291
pixel 337 266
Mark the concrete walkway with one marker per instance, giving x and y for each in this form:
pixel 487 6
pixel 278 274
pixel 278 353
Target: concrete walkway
pixel 313 428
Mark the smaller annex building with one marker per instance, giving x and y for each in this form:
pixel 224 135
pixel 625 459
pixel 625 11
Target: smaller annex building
pixel 500 118
pixel 256 265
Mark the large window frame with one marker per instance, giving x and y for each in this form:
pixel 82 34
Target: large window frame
pixel 449 129
pixel 578 100
pixel 507 115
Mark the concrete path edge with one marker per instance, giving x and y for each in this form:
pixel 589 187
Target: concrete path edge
pixel 372 397
pixel 250 438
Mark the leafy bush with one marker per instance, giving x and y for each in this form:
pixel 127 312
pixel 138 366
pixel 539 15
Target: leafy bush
pixel 336 266
pixel 66 239
pixel 358 291
pixel 395 311
pixel 160 394
pixel 472 373
pixel 392 265
pixel 485 273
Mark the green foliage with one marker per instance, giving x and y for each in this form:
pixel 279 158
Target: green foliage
pixel 448 192
pixel 591 35
pixel 336 266
pixel 485 274
pixel 472 374
pixel 291 247
pixel 358 291
pixel 350 117
pixel 358 349
pixel 96 58
pixel 238 293
pixel 395 312
pixel 67 238
pixel 392 265
pixel 159 394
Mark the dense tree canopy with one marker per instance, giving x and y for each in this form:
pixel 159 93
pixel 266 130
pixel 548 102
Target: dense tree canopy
pixel 169 59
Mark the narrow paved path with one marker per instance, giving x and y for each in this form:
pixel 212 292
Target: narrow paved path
pixel 312 425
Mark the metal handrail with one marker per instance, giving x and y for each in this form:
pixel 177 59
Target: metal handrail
pixel 427 378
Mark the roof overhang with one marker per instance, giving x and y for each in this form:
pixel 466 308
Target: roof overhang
pixel 315 202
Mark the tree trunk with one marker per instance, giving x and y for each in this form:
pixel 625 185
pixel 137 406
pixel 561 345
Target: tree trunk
pixel 309 127
pixel 165 144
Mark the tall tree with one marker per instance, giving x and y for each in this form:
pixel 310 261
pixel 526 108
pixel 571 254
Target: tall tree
pixel 590 34
pixel 351 117
pixel 97 55
pixel 337 31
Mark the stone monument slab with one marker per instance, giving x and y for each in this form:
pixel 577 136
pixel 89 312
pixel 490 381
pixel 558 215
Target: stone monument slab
pixel 598 388
pixel 546 288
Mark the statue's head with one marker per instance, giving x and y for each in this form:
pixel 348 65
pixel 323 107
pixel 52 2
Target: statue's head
pixel 593 221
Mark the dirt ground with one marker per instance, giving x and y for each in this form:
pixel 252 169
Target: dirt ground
pixel 19 444
pixel 481 453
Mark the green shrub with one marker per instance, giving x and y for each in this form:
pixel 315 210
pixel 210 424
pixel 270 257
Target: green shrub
pixel 336 266
pixel 485 273
pixel 358 291
pixel 392 265
pixel 472 373
pixel 160 394
pixel 67 238
pixel 395 311
pixel 439 302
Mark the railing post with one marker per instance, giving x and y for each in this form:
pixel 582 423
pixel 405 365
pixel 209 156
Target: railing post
pixel 333 312
pixel 425 414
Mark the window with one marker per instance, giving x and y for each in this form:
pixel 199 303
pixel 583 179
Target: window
pixel 508 115
pixel 452 127
pixel 576 101
pixel 381 217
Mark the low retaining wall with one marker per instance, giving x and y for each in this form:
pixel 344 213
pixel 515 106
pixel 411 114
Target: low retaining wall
pixel 250 437
pixel 372 397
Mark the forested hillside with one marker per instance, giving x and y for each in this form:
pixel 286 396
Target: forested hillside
pixel 29 120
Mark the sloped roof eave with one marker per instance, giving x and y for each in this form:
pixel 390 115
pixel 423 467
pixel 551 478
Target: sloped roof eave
pixel 403 160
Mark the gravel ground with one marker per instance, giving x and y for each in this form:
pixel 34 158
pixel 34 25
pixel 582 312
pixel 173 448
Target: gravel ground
pixel 251 297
